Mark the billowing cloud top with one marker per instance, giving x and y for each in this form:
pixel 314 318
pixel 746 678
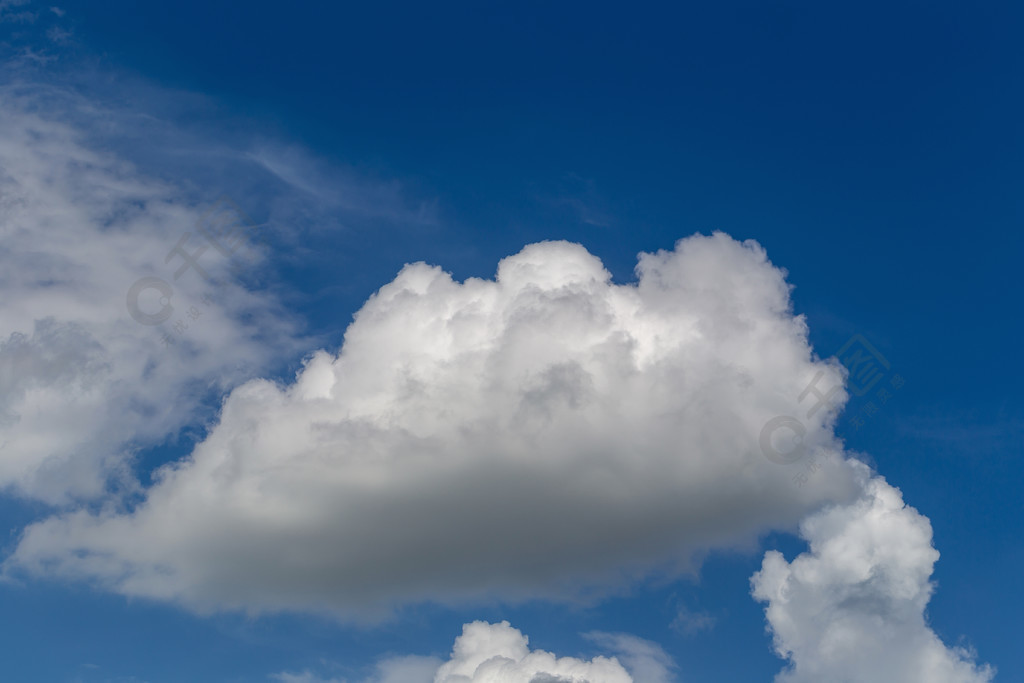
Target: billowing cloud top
pixel 485 438
pixel 499 653
pixel 852 608
pixel 487 653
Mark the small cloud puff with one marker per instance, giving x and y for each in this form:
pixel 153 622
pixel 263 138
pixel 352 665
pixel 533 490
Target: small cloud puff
pixel 852 608
pixel 498 653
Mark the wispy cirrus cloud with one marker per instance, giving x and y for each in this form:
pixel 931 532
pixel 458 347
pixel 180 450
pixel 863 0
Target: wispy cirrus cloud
pixel 16 11
pixel 84 383
pixel 98 189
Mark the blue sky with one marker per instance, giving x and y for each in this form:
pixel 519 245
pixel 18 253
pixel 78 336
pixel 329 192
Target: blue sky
pixel 871 151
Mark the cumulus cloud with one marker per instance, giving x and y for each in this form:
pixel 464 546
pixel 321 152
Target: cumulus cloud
pixel 519 437
pixel 852 608
pixel 493 653
pixel 499 653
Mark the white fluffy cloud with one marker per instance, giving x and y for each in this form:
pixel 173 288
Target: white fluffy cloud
pixel 852 608
pixel 499 653
pixel 518 437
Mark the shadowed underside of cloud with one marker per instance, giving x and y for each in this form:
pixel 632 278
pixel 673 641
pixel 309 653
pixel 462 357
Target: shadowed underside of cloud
pixel 508 438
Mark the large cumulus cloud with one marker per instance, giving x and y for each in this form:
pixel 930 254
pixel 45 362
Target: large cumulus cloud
pixel 531 435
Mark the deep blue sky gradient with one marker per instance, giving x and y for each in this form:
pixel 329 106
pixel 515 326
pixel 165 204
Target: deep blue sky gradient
pixel 875 149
